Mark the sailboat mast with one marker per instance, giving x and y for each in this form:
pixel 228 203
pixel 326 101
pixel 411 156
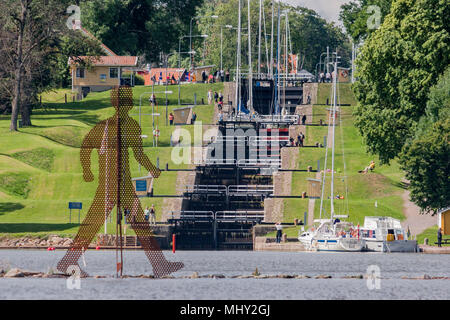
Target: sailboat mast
pixel 286 53
pixel 250 68
pixel 259 37
pixel 271 44
pixel 278 63
pixel 265 39
pixel 334 134
pixel 238 62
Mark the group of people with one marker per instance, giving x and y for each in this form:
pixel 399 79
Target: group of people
pixel 326 77
pixel 217 76
pixel 149 216
pixel 297 143
pixel 300 140
pixel 218 98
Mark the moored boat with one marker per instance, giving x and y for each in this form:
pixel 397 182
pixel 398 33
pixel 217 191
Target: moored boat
pixel 386 234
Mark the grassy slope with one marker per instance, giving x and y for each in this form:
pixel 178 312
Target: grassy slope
pixel 40 171
pixel 382 186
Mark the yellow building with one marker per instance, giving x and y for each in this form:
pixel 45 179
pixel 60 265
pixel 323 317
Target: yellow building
pixel 444 220
pixel 103 73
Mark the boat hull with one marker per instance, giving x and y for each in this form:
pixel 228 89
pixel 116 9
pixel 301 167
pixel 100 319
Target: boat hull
pixel 339 245
pixel 391 246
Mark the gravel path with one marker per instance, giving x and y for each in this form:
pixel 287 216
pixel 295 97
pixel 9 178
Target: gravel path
pixel 416 222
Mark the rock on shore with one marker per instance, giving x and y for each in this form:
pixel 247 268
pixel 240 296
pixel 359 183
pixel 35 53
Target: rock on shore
pixel 52 240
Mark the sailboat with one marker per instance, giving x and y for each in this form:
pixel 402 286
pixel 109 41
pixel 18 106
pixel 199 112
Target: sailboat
pixel 332 234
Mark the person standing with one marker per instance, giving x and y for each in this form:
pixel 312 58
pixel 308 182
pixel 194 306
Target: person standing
pixel 153 215
pixel 216 96
pixel 204 76
pixel 227 76
pixel 304 119
pixel 146 214
pixel 194 117
pixel 210 96
pixel 322 76
pixel 171 118
pixel 279 228
pixel 126 213
pixel 439 237
pixel 328 76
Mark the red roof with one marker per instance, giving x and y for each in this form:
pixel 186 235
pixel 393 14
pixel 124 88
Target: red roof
pixel 111 61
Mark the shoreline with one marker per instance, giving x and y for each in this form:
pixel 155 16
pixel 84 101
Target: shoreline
pixel 274 247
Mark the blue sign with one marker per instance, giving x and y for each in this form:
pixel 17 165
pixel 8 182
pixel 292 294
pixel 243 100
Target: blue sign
pixel 141 185
pixel 75 205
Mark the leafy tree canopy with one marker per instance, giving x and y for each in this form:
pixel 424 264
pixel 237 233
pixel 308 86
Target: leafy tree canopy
pixel 357 16
pixel 426 159
pixel 138 27
pixel 397 66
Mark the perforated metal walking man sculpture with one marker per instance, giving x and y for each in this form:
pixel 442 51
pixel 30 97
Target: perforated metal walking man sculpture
pixel 112 138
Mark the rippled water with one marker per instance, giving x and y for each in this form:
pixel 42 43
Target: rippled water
pixel 392 266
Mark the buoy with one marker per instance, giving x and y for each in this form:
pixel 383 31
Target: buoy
pixel 97 248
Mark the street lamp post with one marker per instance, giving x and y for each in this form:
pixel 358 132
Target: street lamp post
pixel 190 32
pixel 167 82
pixel 221 44
pixel 320 60
pixel 191 52
pixel 152 114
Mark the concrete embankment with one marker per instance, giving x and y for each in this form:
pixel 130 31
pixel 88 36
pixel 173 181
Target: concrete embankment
pixel 433 249
pixel 269 244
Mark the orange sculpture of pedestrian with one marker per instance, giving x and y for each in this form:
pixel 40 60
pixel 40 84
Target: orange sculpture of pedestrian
pixel 112 138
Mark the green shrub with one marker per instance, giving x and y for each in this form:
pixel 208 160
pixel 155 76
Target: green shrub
pixel 41 158
pixel 15 184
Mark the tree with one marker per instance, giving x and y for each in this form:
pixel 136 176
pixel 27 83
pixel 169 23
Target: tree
pixel 397 66
pixel 34 43
pixel 310 34
pixel 139 27
pixel 360 17
pixel 28 27
pixel 426 158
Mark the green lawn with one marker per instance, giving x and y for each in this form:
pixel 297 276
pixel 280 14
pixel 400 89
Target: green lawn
pixel 40 170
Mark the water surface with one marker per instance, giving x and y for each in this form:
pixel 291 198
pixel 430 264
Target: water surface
pixel 392 267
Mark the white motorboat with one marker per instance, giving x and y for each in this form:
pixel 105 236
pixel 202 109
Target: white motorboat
pixel 386 234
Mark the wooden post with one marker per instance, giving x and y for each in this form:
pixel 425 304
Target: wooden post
pixel 65 98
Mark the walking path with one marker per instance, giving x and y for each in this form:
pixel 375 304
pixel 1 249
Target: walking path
pixel 274 208
pixel 416 222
